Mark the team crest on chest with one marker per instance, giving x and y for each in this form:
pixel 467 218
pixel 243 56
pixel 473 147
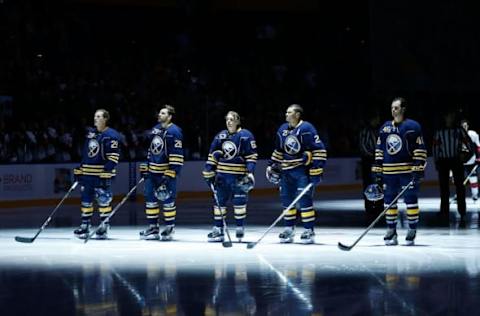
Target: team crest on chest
pixel 156 146
pixel 394 144
pixel 292 145
pixel 229 150
pixel 93 148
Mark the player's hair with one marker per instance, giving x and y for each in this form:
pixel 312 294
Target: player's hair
pixel 170 109
pixel 297 108
pixel 464 121
pixel 235 115
pixel 106 114
pixel 403 102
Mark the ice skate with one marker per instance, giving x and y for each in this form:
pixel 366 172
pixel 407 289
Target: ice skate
pixel 287 235
pixel 151 233
pixel 102 232
pixel 240 233
pixel 216 235
pixel 82 231
pixel 390 237
pixel 167 233
pixel 308 236
pixel 410 239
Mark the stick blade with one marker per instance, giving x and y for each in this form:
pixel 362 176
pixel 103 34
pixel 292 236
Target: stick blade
pixel 227 244
pixel 343 247
pixel 26 240
pixel 250 245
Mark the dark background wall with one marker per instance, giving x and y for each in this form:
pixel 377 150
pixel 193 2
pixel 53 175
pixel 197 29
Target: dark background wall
pixel 343 61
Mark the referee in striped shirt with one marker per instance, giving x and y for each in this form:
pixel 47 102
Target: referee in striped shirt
pixel 447 146
pixel 367 141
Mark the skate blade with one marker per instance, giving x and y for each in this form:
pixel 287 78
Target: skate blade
pixel 391 243
pixel 215 239
pixel 286 241
pixel 150 237
pixel 82 236
pixel 308 242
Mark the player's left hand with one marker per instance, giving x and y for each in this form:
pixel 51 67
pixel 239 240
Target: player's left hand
pixel 316 180
pixel 165 180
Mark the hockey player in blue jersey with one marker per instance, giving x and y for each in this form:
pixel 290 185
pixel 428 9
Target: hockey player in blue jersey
pixel 97 169
pixel 298 159
pixel 164 162
pixel 230 167
pixel 400 157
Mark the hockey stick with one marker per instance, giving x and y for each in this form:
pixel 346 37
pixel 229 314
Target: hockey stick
pixel 32 239
pixel 226 244
pixel 348 248
pixel 464 182
pixel 250 245
pixel 125 198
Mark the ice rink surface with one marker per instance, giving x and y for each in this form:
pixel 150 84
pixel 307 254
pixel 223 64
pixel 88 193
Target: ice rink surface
pixel 61 275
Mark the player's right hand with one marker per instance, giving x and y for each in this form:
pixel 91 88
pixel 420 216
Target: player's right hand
pixel 77 174
pixel 209 177
pixel 143 168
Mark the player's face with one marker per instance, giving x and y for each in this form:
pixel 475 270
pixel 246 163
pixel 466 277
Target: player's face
pixel 164 116
pixel 397 110
pixel 231 122
pixel 291 117
pixel 99 120
pixel 465 126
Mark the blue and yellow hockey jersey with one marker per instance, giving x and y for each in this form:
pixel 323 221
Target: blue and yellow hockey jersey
pixel 232 154
pixel 400 148
pixel 299 146
pixel 165 154
pixel 100 153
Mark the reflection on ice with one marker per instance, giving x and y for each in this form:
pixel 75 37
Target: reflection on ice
pixel 58 275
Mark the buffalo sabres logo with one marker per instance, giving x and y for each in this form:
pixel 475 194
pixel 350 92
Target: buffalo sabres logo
pixel 229 150
pixel 156 146
pixel 292 145
pixel 394 144
pixel 93 148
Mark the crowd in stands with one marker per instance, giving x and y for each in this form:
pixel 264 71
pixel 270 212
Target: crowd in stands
pixel 63 61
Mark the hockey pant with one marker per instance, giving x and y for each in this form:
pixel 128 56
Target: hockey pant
pixel 152 204
pixel 88 197
pixel 291 184
pixel 227 188
pixel 393 184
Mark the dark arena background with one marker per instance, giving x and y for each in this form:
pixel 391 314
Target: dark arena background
pixel 343 61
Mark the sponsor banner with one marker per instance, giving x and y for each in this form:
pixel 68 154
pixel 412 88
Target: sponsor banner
pixel 46 181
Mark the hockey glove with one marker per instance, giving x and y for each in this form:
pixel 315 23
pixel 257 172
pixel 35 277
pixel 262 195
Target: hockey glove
pixel 77 175
pixel 417 177
pixel 307 158
pixel 105 179
pixel 316 180
pixel 209 177
pixel 143 168
pixel 378 178
pixel 273 173
pixel 165 180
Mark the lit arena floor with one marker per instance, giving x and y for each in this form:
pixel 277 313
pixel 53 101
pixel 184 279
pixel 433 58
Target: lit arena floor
pixel 59 275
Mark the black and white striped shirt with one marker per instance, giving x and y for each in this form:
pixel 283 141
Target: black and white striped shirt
pixel 367 140
pixel 447 143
